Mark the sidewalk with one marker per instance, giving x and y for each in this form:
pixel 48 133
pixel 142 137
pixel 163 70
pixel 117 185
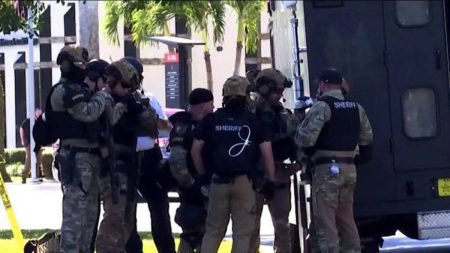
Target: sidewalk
pixel 38 206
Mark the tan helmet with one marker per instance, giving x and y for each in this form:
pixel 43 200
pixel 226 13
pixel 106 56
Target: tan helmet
pixel 73 54
pixel 124 72
pixel 269 80
pixel 235 86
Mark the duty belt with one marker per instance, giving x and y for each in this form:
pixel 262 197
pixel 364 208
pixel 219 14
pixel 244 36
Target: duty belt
pixel 89 150
pixel 329 160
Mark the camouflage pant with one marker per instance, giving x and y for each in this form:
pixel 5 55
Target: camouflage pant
pixel 118 221
pixel 235 199
pixel 80 200
pixel 279 207
pixel 332 197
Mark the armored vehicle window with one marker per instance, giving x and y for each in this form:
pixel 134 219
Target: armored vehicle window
pixel 419 113
pixel 327 3
pixel 413 13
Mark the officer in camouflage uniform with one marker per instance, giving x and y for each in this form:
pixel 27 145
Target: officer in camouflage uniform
pixel 191 214
pixel 149 158
pixel 76 113
pixel 330 134
pixel 270 84
pixel 120 178
pixel 236 141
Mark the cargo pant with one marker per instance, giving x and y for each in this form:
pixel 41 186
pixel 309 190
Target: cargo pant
pixel 118 218
pixel 236 200
pixel 332 197
pixel 80 199
pixel 279 208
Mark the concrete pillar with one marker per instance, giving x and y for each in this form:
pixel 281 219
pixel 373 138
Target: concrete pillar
pixel 88 29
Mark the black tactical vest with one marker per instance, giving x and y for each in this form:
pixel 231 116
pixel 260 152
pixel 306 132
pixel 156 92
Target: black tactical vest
pixel 341 132
pixel 233 145
pixel 125 130
pixel 181 134
pixel 70 128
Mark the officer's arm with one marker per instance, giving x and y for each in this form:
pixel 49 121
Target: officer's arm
pixel 365 132
pixel 22 136
pixel 196 153
pixel 266 151
pixel 178 166
pixel 82 110
pixel 309 130
pixel 365 137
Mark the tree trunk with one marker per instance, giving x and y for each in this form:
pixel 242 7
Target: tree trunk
pixel 5 175
pixel 209 76
pixel 239 46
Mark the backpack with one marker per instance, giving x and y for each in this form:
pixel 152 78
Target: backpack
pixel 44 133
pixel 47 243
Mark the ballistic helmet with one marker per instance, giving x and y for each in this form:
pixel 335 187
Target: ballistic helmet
pixel 235 86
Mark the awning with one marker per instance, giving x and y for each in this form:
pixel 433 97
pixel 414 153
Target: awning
pixel 175 41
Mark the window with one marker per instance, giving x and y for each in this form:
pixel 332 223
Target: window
pixel 413 13
pixel 419 113
pixel 327 3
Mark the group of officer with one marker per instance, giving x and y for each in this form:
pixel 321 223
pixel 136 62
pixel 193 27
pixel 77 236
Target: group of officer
pixel 224 164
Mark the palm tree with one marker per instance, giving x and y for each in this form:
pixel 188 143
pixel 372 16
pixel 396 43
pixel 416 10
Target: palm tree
pixel 150 17
pixel 248 13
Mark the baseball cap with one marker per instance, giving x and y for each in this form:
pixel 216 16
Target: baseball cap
pixel 200 96
pixel 330 76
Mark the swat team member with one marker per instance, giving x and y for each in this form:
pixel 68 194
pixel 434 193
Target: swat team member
pixel 120 178
pixel 76 112
pixel 235 141
pixel 270 84
pixel 96 80
pixel 330 133
pixel 149 162
pixel 191 215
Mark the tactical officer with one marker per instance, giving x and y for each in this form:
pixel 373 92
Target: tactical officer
pixel 96 80
pixel 119 180
pixel 149 164
pixel 76 113
pixel 330 133
pixel 270 84
pixel 235 140
pixel 191 215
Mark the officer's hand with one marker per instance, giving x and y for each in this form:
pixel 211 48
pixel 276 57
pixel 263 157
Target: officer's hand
pixel 133 106
pixel 107 89
pixel 268 189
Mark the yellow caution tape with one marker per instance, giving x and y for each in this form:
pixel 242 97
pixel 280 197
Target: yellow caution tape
pixel 18 237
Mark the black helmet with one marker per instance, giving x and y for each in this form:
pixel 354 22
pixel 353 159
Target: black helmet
pixel 136 64
pixel 190 216
pixel 96 69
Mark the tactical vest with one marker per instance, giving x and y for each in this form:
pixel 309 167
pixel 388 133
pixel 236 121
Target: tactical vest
pixel 70 128
pixel 181 134
pixel 277 118
pixel 125 130
pixel 341 132
pixel 234 148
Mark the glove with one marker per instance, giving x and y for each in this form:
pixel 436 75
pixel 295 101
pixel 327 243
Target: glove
pixel 264 187
pixel 133 106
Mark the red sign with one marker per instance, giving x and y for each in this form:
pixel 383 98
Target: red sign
pixel 171 58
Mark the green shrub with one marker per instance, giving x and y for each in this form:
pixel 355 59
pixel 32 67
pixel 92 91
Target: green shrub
pixel 15 155
pixel 47 162
pixel 14 169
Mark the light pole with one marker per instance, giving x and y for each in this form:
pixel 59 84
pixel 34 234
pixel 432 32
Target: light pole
pixel 30 93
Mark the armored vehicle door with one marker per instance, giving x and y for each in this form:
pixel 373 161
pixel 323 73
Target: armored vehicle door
pixel 416 61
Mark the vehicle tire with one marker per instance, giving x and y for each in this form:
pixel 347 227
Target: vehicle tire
pixel 370 245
